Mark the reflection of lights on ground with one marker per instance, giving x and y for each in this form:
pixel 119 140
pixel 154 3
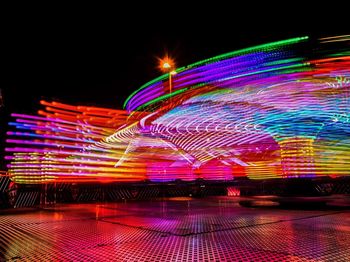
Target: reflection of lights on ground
pixel 233 191
pixel 213 229
pixel 180 198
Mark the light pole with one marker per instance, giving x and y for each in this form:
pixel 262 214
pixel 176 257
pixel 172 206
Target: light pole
pixel 167 65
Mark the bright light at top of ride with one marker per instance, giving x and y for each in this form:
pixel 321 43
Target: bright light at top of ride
pixel 166 64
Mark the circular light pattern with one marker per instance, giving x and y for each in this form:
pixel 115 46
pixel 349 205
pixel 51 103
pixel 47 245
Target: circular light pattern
pixel 278 110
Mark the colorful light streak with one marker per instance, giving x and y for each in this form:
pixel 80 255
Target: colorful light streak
pixel 278 110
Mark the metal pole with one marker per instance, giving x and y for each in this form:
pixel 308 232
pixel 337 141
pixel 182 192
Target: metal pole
pixel 170 84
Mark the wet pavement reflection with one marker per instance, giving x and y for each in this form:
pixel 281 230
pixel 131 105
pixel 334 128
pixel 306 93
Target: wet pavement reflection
pixel 177 229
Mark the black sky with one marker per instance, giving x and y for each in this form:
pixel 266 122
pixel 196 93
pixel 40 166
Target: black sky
pixel 100 57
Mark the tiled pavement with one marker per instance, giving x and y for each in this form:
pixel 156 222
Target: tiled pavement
pixel 182 229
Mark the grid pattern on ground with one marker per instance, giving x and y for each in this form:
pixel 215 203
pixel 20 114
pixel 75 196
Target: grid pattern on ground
pixel 191 230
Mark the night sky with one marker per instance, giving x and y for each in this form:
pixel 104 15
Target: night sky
pixel 100 59
pixel 85 58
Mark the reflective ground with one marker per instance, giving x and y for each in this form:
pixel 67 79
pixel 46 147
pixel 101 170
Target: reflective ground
pixel 179 229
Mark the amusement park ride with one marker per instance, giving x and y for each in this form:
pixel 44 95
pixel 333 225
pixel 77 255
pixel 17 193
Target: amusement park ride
pixel 269 119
